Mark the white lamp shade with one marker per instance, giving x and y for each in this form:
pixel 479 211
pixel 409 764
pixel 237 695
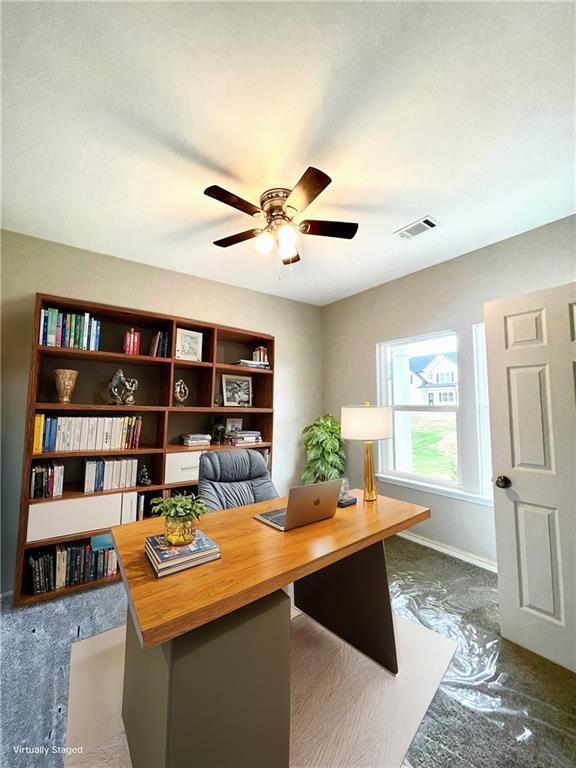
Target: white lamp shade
pixel 366 422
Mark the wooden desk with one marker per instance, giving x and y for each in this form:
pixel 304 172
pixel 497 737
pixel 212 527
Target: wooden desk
pixel 219 633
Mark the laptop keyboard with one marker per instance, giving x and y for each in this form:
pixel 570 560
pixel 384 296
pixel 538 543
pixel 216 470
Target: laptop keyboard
pixel 277 516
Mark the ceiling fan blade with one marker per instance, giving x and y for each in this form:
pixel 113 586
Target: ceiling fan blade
pixel 225 242
pixel 343 229
pixel 228 198
pixel 307 189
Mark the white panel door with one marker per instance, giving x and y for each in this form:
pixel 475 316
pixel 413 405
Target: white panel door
pixel 531 346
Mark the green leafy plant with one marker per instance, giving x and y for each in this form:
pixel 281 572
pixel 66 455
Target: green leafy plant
pixel 325 457
pixel 180 506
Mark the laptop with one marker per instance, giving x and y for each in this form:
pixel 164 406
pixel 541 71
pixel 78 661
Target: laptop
pixel 306 504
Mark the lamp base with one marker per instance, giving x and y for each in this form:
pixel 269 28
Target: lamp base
pixel 370 493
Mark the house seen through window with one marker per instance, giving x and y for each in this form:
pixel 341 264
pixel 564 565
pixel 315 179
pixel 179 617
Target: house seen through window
pixel 419 379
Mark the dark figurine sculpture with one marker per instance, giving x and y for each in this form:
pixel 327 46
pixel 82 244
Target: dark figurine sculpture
pixel 144 476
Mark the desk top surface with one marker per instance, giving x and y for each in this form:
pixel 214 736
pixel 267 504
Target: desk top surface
pixel 256 560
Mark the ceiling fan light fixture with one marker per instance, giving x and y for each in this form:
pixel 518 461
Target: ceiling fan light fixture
pixel 265 242
pixel 287 240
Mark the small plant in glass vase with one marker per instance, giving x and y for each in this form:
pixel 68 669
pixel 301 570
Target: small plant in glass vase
pixel 180 513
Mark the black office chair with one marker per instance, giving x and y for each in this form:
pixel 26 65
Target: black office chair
pixel 234 478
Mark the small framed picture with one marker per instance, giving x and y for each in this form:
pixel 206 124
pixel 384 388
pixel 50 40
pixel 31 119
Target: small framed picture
pixel 233 425
pixel 237 390
pixel 188 345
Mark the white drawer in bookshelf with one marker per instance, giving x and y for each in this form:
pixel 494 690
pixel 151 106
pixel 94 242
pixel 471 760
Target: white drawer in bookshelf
pixel 182 467
pixel 51 519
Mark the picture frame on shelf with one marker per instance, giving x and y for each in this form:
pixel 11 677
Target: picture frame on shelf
pixel 188 345
pixel 237 390
pixel 233 424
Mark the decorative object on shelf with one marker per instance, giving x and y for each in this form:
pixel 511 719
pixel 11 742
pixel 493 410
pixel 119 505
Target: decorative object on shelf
pixel 324 449
pixel 218 432
pixel 218 400
pixel 233 424
pixel 122 389
pixel 260 355
pixel 143 477
pixel 181 391
pixel 237 390
pixel 180 513
pixel 188 345
pixel 368 423
pixel 65 379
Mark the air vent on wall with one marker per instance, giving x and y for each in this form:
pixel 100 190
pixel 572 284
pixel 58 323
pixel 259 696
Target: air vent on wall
pixel 417 227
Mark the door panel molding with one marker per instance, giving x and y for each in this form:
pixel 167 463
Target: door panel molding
pixel 525 329
pixel 538 549
pixel 530 421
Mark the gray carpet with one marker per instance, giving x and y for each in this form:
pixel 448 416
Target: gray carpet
pixel 499 705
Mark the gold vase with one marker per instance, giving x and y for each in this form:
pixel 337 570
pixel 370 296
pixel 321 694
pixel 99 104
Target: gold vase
pixel 179 530
pixel 65 379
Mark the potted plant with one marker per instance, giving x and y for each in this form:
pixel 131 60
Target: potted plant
pixel 324 448
pixel 180 513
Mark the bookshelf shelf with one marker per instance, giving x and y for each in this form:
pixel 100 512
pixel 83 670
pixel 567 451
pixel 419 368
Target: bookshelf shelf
pixel 102 356
pixel 73 454
pixel 25 599
pixel 243 369
pixel 191 449
pixel 93 407
pixel 178 363
pixel 162 421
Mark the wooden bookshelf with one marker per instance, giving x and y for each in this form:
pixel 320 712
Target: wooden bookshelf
pixel 163 420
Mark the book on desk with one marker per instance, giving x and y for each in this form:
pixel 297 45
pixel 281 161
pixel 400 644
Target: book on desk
pixel 166 559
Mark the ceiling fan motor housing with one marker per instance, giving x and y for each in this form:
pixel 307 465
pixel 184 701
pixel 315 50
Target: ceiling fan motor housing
pixel 272 202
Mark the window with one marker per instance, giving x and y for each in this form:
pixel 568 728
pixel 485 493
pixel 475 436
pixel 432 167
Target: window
pixel 441 425
pixel 425 435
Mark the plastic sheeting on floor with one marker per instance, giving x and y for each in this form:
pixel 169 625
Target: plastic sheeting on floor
pixel 499 705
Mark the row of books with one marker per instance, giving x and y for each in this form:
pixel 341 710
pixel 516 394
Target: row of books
pixel 109 474
pixel 166 559
pixel 67 329
pixel 244 436
pixel 86 433
pixel 47 480
pixel 160 346
pixel 132 342
pixel 75 562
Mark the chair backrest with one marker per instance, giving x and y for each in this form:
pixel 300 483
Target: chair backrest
pixel 234 478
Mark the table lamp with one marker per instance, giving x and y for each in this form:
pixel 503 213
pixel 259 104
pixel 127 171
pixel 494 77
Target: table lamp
pixel 367 422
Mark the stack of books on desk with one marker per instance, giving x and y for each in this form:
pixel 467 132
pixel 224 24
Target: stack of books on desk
pixel 166 559
pixel 244 436
pixel 191 440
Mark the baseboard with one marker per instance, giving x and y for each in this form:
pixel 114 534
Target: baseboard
pixel 446 549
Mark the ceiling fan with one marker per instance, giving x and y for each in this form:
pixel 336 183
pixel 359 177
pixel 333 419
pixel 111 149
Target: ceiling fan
pixel 280 207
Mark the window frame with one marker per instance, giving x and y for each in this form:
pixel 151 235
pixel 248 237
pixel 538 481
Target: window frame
pixel 385 397
pixel 472 422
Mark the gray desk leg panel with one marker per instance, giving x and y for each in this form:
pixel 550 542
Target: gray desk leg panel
pixel 218 697
pixel 352 600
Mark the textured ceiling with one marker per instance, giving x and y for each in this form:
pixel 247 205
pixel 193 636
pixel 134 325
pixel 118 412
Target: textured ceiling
pixel 116 116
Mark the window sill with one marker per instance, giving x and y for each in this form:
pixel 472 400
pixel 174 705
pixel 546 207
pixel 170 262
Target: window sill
pixel 439 490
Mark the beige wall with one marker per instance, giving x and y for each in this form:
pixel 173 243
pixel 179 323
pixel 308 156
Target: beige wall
pixel 30 265
pixel 448 296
